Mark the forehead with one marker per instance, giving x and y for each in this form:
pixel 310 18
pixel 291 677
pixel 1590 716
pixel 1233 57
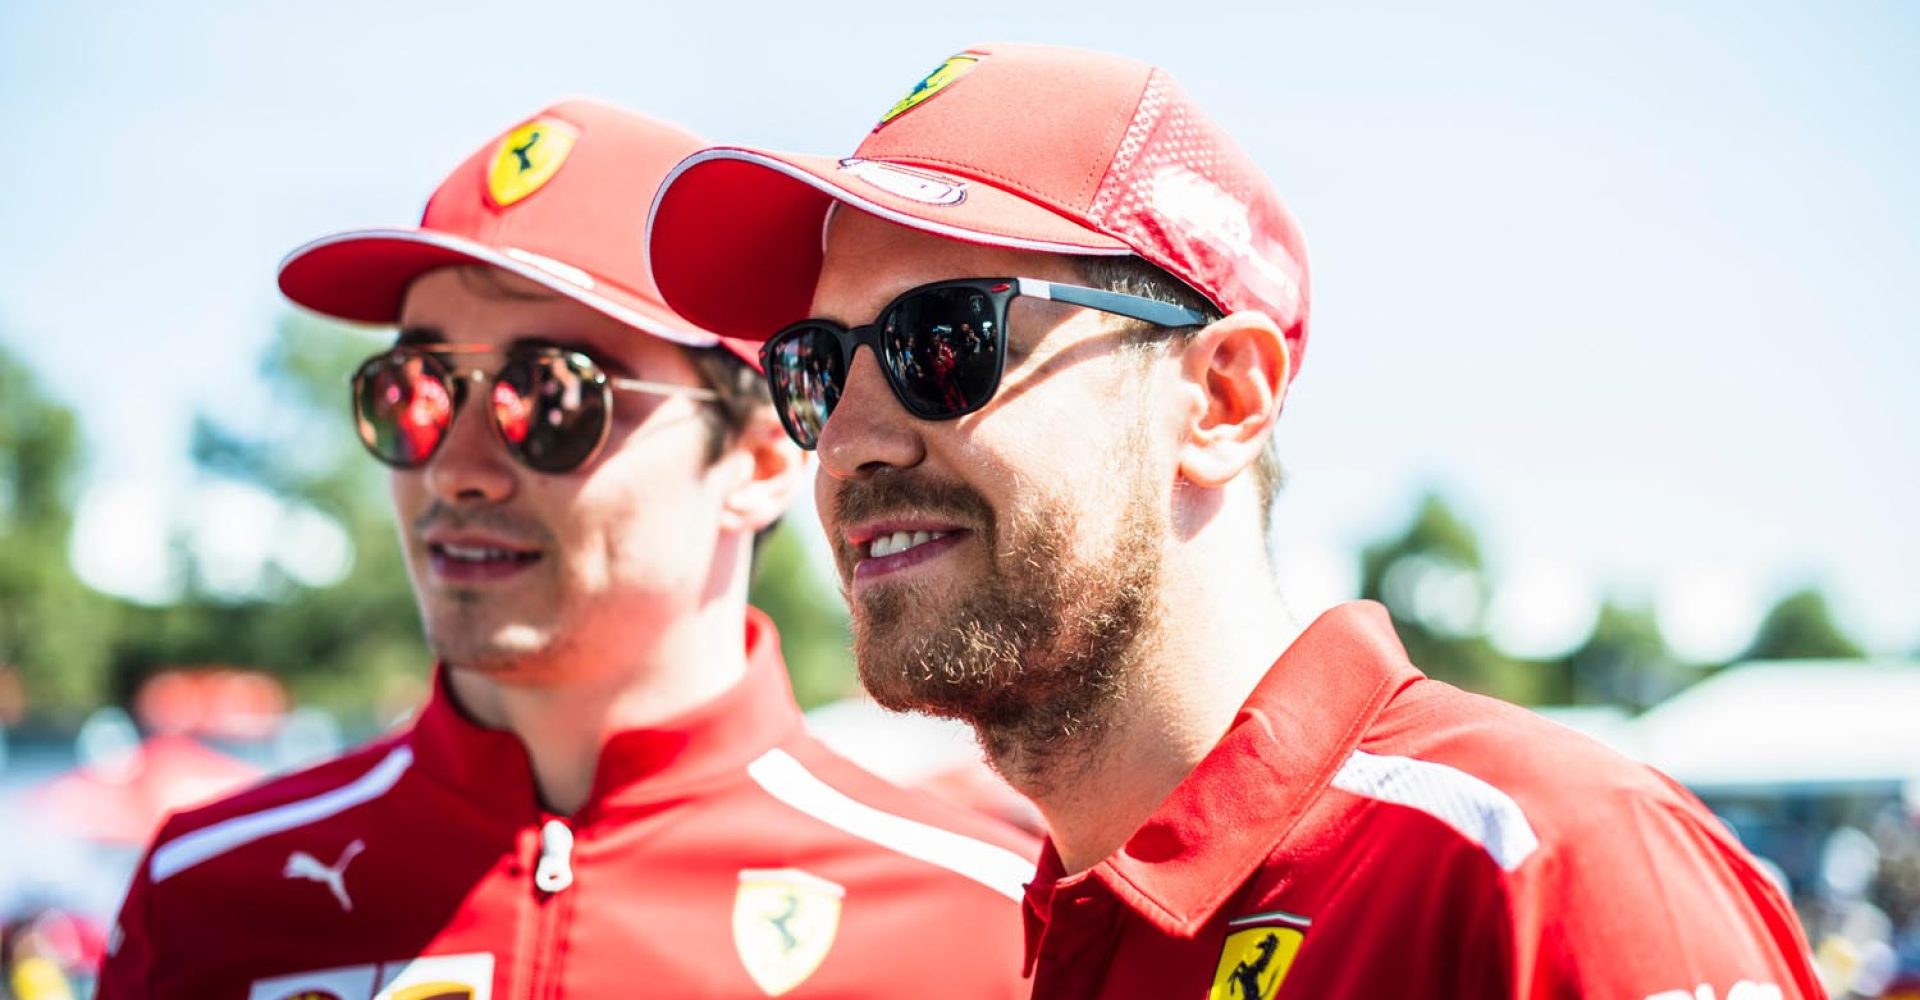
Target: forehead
pixel 476 305
pixel 869 260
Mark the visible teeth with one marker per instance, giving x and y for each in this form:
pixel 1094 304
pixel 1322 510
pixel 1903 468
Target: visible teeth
pixel 900 541
pixel 473 554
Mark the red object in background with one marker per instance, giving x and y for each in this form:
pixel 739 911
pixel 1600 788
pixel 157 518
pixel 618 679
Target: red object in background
pixel 70 944
pixel 126 803
pixel 222 703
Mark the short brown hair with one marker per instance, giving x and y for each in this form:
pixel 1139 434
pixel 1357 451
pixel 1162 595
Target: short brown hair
pixel 741 391
pixel 1133 275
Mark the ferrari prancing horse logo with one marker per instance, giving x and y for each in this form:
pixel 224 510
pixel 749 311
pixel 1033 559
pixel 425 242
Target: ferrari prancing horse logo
pixel 784 921
pixel 528 158
pixel 936 81
pixel 1256 956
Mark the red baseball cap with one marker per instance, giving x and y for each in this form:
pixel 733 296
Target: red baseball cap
pixel 552 199
pixel 1020 146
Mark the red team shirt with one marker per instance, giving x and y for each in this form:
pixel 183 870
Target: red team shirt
pixel 1363 831
pixel 727 854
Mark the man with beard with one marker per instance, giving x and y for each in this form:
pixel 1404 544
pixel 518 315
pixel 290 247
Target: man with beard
pixel 610 792
pixel 1072 561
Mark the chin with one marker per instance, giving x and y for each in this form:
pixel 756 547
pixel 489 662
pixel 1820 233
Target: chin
pixel 502 651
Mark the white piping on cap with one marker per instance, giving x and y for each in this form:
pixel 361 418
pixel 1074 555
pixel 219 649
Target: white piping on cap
pixel 842 194
pixel 564 279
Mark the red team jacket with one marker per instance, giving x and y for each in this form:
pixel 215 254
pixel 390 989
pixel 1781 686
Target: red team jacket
pixel 1362 831
pixel 728 854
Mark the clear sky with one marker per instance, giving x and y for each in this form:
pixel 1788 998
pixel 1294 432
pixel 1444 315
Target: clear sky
pixel 1634 283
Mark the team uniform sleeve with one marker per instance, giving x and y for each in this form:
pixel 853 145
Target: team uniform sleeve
pixel 1657 902
pixel 127 969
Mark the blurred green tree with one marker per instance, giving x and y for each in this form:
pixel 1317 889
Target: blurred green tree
pixel 352 644
pixel 810 615
pixel 1800 626
pixel 1625 661
pixel 1432 579
pixel 52 628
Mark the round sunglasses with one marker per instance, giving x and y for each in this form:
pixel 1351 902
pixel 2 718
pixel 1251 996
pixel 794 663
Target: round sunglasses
pixel 942 347
pixel 550 407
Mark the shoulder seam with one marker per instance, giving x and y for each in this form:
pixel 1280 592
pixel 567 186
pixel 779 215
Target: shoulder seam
pixel 1468 804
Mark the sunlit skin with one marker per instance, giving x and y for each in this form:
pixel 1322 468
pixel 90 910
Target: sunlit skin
pixel 622 602
pixel 1080 437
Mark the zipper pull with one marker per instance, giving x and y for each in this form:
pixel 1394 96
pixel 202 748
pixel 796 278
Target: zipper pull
pixel 555 871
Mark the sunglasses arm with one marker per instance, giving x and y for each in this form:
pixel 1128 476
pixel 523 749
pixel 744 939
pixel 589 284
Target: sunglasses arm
pixel 1120 304
pixel 692 392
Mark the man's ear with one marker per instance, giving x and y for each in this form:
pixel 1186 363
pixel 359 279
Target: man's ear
pixel 1238 368
pixel 775 467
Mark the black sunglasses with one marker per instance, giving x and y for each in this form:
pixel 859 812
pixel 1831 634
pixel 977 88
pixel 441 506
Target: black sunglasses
pixel 549 406
pixel 942 347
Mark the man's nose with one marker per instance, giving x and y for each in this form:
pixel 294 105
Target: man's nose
pixel 869 429
pixel 472 464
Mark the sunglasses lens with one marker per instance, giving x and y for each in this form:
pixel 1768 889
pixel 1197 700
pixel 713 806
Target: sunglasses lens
pixel 551 410
pixel 939 345
pixel 805 373
pixel 402 407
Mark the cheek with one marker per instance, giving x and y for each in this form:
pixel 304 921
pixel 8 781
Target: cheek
pixel 638 522
pixel 1058 445
pixel 1088 457
pixel 410 500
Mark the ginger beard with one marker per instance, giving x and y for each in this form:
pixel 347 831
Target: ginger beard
pixel 1037 654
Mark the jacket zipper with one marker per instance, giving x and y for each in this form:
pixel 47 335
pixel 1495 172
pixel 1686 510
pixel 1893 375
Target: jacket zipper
pixel 552 876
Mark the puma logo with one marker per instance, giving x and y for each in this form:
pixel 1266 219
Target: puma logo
pixel 300 864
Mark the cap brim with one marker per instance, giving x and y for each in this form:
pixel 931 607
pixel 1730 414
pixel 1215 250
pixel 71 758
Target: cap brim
pixel 735 234
pixel 362 276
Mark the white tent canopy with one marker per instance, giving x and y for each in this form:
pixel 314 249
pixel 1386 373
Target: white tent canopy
pixel 1793 722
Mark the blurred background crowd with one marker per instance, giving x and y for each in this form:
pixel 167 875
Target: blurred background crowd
pixel 1608 398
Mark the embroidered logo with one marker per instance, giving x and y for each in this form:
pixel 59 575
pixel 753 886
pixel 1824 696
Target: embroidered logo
pixel 300 864
pixel 784 921
pixel 923 186
pixel 1256 956
pixel 953 69
pixel 528 158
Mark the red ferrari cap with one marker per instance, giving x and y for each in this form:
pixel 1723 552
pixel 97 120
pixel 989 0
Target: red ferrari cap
pixel 552 200
pixel 1020 146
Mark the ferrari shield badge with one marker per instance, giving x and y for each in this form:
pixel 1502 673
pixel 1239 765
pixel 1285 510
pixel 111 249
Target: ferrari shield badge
pixel 784 921
pixel 934 82
pixel 1258 952
pixel 528 158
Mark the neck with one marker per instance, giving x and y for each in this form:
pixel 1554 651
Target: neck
pixel 1217 637
pixel 564 723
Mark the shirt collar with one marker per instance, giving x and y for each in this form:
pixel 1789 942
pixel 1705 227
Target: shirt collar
pixel 1299 725
pixel 637 766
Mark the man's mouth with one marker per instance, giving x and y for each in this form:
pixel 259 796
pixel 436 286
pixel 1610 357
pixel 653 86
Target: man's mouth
pixel 889 550
pixel 900 541
pixel 477 561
